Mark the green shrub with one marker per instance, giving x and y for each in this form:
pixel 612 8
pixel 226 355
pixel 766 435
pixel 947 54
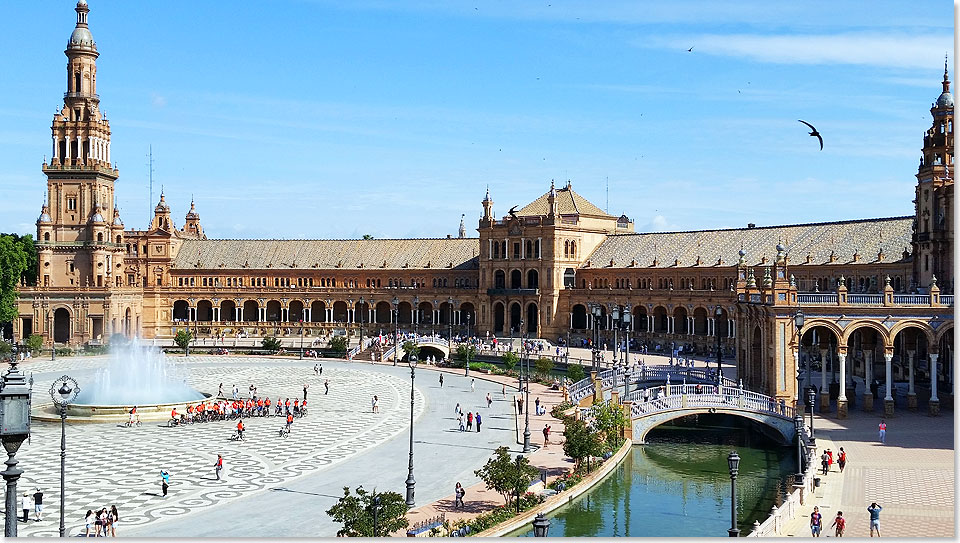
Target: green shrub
pixel 271 343
pixel 35 343
pixel 338 344
pixel 182 339
pixel 544 366
pixel 509 360
pixel 575 372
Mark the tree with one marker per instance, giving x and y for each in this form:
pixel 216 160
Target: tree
pixel 35 343
pixel 14 261
pixel 544 366
pixel 581 442
pixel 271 343
pixel 410 348
pixel 507 476
pixel 355 513
pixel 465 351
pixel 338 344
pixel 609 421
pixel 367 236
pixel 5 349
pixel 182 339
pixel 575 372
pixel 509 360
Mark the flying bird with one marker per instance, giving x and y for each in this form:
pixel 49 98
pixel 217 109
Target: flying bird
pixel 513 212
pixel 691 49
pixel 814 133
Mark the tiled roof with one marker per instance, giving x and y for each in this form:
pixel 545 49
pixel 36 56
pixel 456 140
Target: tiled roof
pixel 348 254
pixel 817 240
pixel 568 203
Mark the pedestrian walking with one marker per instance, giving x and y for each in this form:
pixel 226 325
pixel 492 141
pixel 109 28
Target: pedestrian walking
pixel 842 459
pixel 89 520
pixel 38 505
pixel 441 380
pixel 546 435
pixel 220 391
pixel 489 400
pixel 316 369
pixel 883 431
pixel 320 373
pixel 473 383
pixel 520 405
pixel 478 422
pixel 326 387
pixel 457 409
pixel 825 462
pixel 470 421
pixel 305 392
pixel 460 421
pixel 816 522
pixel 218 467
pixel 114 519
pixel 874 511
pixel 164 482
pixel 840 523
pixel 536 403
pixel 26 504
pixel 503 390
pixel 375 404
pixel 458 493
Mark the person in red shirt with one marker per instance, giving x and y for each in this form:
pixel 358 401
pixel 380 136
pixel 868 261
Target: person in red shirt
pixel 289 421
pixel 267 406
pixel 240 429
pixel 286 404
pixel 173 415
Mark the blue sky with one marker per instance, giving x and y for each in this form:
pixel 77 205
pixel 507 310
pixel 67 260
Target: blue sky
pixel 317 119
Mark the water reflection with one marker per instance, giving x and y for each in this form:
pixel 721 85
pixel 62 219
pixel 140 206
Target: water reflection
pixel 679 485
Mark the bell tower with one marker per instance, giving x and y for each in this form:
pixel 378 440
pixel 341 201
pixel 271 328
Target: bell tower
pixel 80 177
pixel 933 221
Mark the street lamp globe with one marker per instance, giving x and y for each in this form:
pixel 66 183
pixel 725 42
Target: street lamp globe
pixel 14 407
pixel 798 320
pixel 541 525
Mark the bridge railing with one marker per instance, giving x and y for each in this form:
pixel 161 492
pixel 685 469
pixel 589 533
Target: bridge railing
pixel 685 396
pixel 580 390
pixel 612 377
pixel 790 508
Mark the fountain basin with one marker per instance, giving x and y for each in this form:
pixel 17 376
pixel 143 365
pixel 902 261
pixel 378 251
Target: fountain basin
pixel 84 413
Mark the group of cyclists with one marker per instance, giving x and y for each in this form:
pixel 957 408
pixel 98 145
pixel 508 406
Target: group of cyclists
pixel 223 409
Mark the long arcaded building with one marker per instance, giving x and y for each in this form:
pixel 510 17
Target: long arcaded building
pixel 876 294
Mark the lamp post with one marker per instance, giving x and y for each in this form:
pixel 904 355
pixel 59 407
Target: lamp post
pixel 14 429
pixel 626 360
pixel 411 482
pixel 526 386
pixel 362 301
pixel 376 506
pixel 798 320
pixel 63 395
pixel 616 332
pixel 811 398
pixel 627 318
pixel 541 525
pixel 798 424
pixel 416 319
pixel 718 312
pixel 466 372
pixel 733 462
pixel 396 329
pixel 301 337
pixel 596 337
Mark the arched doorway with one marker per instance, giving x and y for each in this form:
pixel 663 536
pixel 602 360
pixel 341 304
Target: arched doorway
pixel 404 313
pixel 639 322
pixel 700 321
pixel 361 313
pixel 533 279
pixel 515 316
pixel 579 320
pixel 61 325
pixel 660 319
pixel 468 315
pixel 498 318
pixel 340 312
pixel 318 311
pixel 499 279
pixel 680 321
pixel 945 361
pixel 205 311
pixel 445 313
pixel 569 278
pixel 383 313
pixel 296 311
pixel 515 279
pixel 424 315
pixel 274 313
pixel 180 310
pixel 228 311
pixel 533 319
pixel 912 349
pixel 251 311
pixel 755 376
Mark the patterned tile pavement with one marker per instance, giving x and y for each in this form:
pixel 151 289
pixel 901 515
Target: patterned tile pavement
pixel 109 464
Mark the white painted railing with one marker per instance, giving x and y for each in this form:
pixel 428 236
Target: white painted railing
pixel 790 508
pixel 685 396
pixel 865 299
pixel 946 299
pixel 614 377
pixel 580 390
pixel 912 299
pixel 817 299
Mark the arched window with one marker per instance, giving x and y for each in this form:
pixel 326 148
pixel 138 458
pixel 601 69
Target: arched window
pixel 566 249
pixel 46 236
pixel 100 236
pixel 529 250
pixel 119 239
pixel 573 249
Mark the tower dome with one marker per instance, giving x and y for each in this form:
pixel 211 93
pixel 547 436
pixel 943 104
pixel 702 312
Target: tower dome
pixel 116 217
pixel 96 217
pixel 192 215
pixel 945 99
pixel 44 215
pixel 81 38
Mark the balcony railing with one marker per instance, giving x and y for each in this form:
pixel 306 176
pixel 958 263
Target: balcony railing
pixel 513 291
pixel 817 299
pixel 913 299
pixel 865 299
pixel 946 299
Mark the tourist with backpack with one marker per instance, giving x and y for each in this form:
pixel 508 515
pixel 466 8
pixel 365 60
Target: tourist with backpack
pixel 840 523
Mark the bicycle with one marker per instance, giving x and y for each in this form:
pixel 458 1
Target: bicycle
pixel 129 424
pixel 237 436
pixel 285 431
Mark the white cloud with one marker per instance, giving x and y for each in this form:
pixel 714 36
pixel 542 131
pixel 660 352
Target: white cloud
pixel 157 100
pixel 920 51
pixel 659 223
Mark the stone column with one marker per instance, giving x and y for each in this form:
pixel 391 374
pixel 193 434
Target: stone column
pixel 888 399
pixel 842 398
pixel 934 400
pixel 824 391
pixel 911 392
pixel 867 378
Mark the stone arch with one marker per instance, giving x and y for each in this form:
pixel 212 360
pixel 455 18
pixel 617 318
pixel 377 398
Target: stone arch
pixel 643 425
pixel 579 320
pixel 251 311
pixel 425 313
pixel 680 320
pixel 404 309
pixel 700 316
pixel 639 322
pixel 62 325
pixel 873 325
pixel 923 326
pixel 228 309
pixel 516 315
pixel 499 279
pixel 383 310
pixel 274 311
pixel 340 311
pixel 361 312
pixel 296 311
pixel 445 310
pixel 498 318
pixel 660 319
pixel 810 324
pixel 516 279
pixel 533 319
pixel 181 310
pixel 127 322
pixel 318 311
pixel 205 311
pixel 533 279
pixel 468 314
pixel 722 322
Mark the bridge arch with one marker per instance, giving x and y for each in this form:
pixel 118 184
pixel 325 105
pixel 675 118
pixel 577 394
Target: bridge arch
pixel 782 429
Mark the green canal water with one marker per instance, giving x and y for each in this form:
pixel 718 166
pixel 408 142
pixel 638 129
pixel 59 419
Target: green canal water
pixel 678 485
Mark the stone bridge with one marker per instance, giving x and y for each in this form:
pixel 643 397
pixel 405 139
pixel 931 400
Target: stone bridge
pixel 437 347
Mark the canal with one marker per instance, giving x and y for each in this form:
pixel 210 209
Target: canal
pixel 678 485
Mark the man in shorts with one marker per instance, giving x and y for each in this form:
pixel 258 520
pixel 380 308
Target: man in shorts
pixel 874 511
pixel 816 522
pixel 38 505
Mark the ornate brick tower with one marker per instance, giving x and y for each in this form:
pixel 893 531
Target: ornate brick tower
pixel 933 223
pixel 80 239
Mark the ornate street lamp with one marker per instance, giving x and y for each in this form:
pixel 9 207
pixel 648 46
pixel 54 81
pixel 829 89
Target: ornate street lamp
pixel 596 336
pixel 526 386
pixel 362 301
pixel 416 319
pixel 14 429
pixel 733 462
pixel 63 395
pixel 396 329
pixel 411 482
pixel 616 332
pixel 376 506
pixel 798 424
pixel 541 525
pixel 798 320
pixel 811 398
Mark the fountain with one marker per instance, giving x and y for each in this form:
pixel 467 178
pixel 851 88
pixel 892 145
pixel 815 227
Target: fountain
pixel 136 375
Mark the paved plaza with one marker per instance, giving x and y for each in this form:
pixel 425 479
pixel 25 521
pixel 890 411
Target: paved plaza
pixel 268 481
